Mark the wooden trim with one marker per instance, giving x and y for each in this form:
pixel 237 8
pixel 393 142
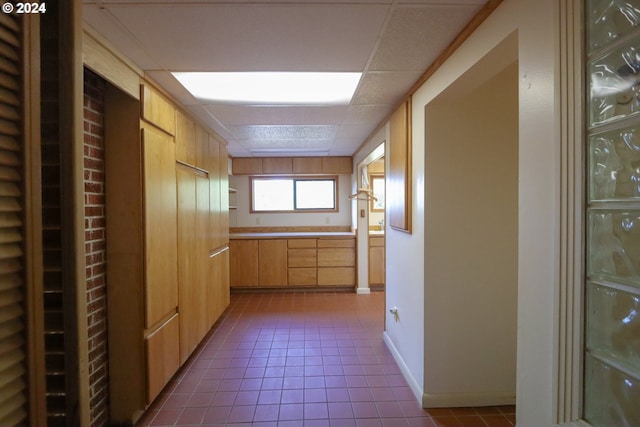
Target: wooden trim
pixel 335 178
pixel 72 181
pixel 101 58
pixel 568 367
pixel 399 176
pixel 33 219
pixel 466 32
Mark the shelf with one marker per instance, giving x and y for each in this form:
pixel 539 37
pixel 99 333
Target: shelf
pixel 232 190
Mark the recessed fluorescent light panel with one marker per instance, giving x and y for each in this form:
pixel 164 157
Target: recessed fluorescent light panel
pixel 271 88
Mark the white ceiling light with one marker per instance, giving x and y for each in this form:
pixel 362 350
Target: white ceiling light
pixel 279 88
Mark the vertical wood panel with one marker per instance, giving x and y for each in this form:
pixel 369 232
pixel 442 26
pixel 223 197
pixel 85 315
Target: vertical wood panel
pixel 187 263
pixel 160 216
pixel 125 255
pixel 33 220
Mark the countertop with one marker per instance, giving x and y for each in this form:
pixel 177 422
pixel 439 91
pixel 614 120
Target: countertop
pixel 292 235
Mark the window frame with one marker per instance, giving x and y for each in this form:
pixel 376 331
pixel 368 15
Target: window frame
pixel 295 178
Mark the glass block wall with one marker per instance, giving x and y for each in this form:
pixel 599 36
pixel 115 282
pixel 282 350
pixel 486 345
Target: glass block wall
pixel 612 351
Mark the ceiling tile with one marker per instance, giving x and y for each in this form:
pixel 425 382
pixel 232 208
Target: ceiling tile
pixel 384 88
pixel 354 131
pixel 284 132
pixel 371 114
pixel 391 41
pixel 288 144
pixel 416 35
pixel 268 115
pixel 255 37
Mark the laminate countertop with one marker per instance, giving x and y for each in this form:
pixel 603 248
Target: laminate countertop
pixel 292 235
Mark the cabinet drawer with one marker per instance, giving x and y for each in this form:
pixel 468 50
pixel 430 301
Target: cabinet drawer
pixel 302 277
pixel 336 276
pixel 302 243
pixel 336 257
pixel 302 258
pixel 336 243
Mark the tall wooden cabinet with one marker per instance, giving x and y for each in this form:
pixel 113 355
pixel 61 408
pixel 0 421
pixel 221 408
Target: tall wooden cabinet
pixel 168 273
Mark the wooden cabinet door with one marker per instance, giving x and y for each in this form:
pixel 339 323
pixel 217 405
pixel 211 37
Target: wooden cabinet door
pixel 376 265
pixel 163 356
pixel 218 287
pixel 193 257
pixel 272 263
pixel 243 262
pixel 160 225
pixel 185 139
pixel 157 109
pixel 187 265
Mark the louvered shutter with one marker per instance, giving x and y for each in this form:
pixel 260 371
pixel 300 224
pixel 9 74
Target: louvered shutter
pixel 12 329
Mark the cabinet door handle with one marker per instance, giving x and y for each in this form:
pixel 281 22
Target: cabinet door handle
pixel 219 251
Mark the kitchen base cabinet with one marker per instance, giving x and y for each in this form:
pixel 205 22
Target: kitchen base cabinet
pixel 243 263
pixel 272 263
pixel 336 262
pixel 376 261
pixel 300 262
pixel 336 276
pixel 303 276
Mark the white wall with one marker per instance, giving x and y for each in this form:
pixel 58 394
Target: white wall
pixel 471 243
pixel 244 218
pixel 536 24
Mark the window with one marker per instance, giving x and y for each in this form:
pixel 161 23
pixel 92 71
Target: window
pixel 289 194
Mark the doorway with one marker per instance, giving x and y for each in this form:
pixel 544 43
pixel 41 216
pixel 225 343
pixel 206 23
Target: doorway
pixel 471 236
pixel 376 221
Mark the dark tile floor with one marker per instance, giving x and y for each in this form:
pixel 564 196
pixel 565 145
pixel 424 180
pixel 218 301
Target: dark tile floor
pixel 300 359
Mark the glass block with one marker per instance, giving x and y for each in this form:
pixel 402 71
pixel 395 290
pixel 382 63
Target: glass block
pixel 614 164
pixel 613 324
pixel 611 397
pixel 614 84
pixel 613 245
pixel 607 20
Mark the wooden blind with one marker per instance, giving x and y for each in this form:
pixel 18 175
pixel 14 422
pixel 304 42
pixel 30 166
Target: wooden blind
pixel 12 329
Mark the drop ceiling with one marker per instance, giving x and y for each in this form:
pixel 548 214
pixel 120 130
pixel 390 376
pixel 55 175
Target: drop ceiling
pixel 391 43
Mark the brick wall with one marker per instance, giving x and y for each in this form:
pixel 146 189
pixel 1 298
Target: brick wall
pixel 95 244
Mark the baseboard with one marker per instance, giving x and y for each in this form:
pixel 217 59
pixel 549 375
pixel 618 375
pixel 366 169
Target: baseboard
pixel 447 400
pixel 413 384
pixel 451 400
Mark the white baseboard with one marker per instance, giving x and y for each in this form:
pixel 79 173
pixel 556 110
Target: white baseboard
pixel 363 291
pixel 413 384
pixel 447 400
pixel 452 400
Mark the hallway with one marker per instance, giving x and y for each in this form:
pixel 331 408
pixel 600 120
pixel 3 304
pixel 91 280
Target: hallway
pixel 302 359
